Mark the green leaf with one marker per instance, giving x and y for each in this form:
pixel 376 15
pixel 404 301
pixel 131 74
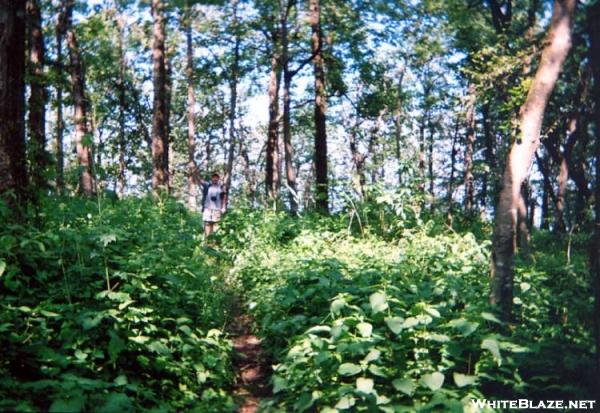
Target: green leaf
pixel 106 239
pixel 116 402
pixel 524 286
pixel 80 355
pixel 2 267
pixel 463 326
pixel 405 386
pixel 120 380
pixel 492 345
pixel 304 402
pixel 378 302
pixel 279 383
pixel 337 305
pixel 434 380
pixel 346 402
pixel 365 329
pixel 463 380
pixel 349 369
pixel 73 403
pixel 139 339
pixel 115 346
pixel 373 355
pixel 410 322
pixel 364 385
pixel 395 324
pixel 490 317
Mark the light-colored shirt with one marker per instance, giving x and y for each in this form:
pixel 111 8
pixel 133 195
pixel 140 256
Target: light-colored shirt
pixel 213 196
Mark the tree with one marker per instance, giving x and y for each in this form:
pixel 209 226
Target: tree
pixel 594 32
pixel 272 148
pixel 37 96
pixel 13 173
pixel 160 142
pixel 520 157
pixel 320 154
pixel 192 168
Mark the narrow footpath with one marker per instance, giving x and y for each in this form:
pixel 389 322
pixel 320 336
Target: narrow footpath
pixel 252 368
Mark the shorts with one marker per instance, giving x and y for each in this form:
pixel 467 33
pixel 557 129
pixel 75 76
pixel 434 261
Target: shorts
pixel 211 215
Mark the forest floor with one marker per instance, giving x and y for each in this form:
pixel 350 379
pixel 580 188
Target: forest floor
pixel 252 368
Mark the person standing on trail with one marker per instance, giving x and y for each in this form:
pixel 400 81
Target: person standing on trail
pixel 214 199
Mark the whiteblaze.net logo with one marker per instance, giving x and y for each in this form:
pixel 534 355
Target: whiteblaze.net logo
pixel 520 404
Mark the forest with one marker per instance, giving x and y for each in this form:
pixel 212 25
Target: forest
pixel 299 205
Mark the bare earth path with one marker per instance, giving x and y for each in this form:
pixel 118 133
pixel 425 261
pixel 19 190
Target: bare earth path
pixel 252 368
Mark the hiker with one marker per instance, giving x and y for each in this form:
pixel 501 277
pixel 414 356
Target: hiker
pixel 214 199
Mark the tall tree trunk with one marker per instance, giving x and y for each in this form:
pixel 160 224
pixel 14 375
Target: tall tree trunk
pixel 192 168
pixel 430 165
pixel 233 85
pixel 523 150
pixel 60 125
pixel 320 156
pixel 290 172
pixel 358 159
pixel 594 31
pixel 272 150
pixel 453 153
pixel 83 138
pixel 37 96
pixel 160 175
pixel 470 141
pixel 421 161
pixel 169 53
pixel 13 173
pixel 489 175
pixel 122 109
pixel 398 126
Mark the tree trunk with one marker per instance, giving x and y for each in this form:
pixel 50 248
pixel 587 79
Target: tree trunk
pixel 160 175
pixel 233 84
pixel 523 150
pixel 290 172
pixel 13 173
pixel 83 138
pixel 122 109
pixel 169 52
pixel 489 176
pixel 470 141
pixel 398 126
pixel 320 156
pixel 272 151
pixel 192 168
pixel 37 96
pixel 430 165
pixel 453 154
pixel 358 159
pixel 60 125
pixel 594 31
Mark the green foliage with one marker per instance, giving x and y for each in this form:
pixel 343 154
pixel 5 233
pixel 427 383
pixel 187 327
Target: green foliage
pixel 360 322
pixel 111 308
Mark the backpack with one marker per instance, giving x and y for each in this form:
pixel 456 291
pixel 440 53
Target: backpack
pixel 205 193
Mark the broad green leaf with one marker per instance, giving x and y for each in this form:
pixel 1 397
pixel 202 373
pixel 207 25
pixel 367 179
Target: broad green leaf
pixel 364 385
pixel 373 355
pixel 121 380
pixel 395 324
pixel 279 383
pixel 463 326
pixel 80 355
pixel 405 386
pixel 463 380
pixel 349 369
pixel 337 305
pixel 72 403
pixel 115 346
pixel 139 339
pixel 304 402
pixel 525 286
pixel 434 380
pixel 346 402
pixel 492 345
pixel 410 322
pixel 116 402
pixel 365 329
pixel 2 267
pixel 490 317
pixel 378 302
pixel 378 370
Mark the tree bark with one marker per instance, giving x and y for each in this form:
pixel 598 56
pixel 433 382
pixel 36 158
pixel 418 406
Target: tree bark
pixel 523 150
pixel 453 153
pixel 60 125
pixel 594 31
pixel 122 109
pixel 272 150
pixel 160 175
pixel 320 156
pixel 13 173
pixel 233 84
pixel 470 141
pixel 489 176
pixel 37 96
pixel 192 167
pixel 83 138
pixel 290 172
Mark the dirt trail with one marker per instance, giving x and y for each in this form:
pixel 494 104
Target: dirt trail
pixel 252 368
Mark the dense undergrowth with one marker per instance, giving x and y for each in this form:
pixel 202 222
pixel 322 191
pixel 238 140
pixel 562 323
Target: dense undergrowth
pixel 111 307
pixel 116 307
pixel 393 316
